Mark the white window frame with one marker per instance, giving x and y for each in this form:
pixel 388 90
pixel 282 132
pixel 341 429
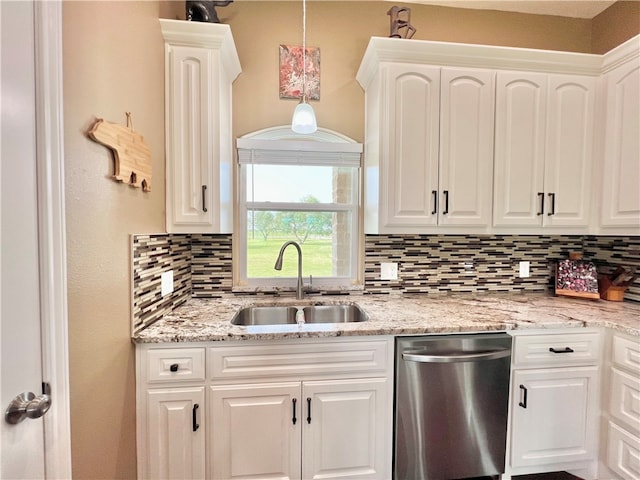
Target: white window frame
pixel 280 146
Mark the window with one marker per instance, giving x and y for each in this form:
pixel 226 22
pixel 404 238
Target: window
pixel 306 191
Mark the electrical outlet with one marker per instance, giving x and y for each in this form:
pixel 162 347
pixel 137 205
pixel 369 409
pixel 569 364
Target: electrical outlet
pixel 166 282
pixel 388 271
pixel 524 269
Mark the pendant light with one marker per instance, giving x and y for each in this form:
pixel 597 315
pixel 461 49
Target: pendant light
pixel 304 119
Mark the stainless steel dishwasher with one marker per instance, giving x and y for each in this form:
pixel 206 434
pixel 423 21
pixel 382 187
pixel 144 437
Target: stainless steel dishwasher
pixel 451 402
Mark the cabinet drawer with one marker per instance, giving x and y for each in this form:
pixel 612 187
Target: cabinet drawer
pixel 626 352
pixel 624 399
pixel 556 349
pixel 366 358
pixel 174 365
pixel 623 452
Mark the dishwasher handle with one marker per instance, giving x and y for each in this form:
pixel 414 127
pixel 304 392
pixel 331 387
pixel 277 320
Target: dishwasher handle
pixel 456 357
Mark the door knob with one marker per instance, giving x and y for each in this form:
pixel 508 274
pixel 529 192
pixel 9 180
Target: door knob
pixel 27 405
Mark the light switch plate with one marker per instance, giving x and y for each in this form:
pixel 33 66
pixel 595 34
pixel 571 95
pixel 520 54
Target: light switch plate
pixel 524 269
pixel 389 271
pixel 166 282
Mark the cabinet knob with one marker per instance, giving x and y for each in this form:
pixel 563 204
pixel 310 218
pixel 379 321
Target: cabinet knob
pixel 174 367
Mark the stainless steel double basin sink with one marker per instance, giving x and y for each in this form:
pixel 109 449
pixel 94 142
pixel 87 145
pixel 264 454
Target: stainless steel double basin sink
pixel 311 314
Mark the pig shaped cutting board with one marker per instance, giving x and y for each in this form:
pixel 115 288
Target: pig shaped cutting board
pixel 132 157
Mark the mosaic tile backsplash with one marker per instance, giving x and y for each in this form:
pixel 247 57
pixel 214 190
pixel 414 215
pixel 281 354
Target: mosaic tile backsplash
pixel 202 265
pixel 211 270
pixel 464 263
pixel 150 256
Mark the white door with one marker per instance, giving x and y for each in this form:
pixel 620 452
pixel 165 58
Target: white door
pixel 255 431
pixel 22 444
pixel 519 149
pixel 621 173
pixel 32 254
pixel 569 150
pixel 190 148
pixel 344 430
pixel 175 436
pixel 466 147
pixel 409 174
pixel 553 416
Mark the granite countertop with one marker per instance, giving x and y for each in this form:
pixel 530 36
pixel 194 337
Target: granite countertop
pixel 206 320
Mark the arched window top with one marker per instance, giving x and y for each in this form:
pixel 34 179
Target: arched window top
pixel 284 132
pixel 280 145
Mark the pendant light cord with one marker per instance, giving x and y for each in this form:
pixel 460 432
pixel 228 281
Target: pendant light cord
pixel 304 50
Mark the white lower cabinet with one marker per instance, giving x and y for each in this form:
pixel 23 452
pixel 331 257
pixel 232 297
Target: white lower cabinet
pixel 620 428
pixel 175 441
pixel 344 428
pixel 554 403
pixel 296 409
pixel 171 412
pixel 309 430
pixel 254 433
pixel 554 406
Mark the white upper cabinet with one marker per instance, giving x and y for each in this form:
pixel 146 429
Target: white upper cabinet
pixel 201 63
pixel 544 150
pixel 519 148
pixel 477 139
pixel 620 205
pixel 466 147
pixel 569 150
pixel 429 149
pixel 408 167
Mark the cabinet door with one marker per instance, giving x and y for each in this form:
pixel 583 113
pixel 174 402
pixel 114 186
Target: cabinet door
pixel 621 172
pixel 409 164
pixel 175 433
pixel 624 399
pixel 346 430
pixel 569 151
pixel 553 416
pixel 623 452
pixel 466 147
pixel 519 148
pixel 189 143
pixel 253 432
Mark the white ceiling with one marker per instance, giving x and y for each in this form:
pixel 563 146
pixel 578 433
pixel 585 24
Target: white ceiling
pixel 563 8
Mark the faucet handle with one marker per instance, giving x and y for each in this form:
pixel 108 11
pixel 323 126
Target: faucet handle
pixel 309 288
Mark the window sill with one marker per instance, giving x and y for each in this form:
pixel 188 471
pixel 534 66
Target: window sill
pixel 315 291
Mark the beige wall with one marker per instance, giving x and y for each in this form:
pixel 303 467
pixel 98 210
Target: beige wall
pixel 616 24
pixel 113 63
pixel 260 27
